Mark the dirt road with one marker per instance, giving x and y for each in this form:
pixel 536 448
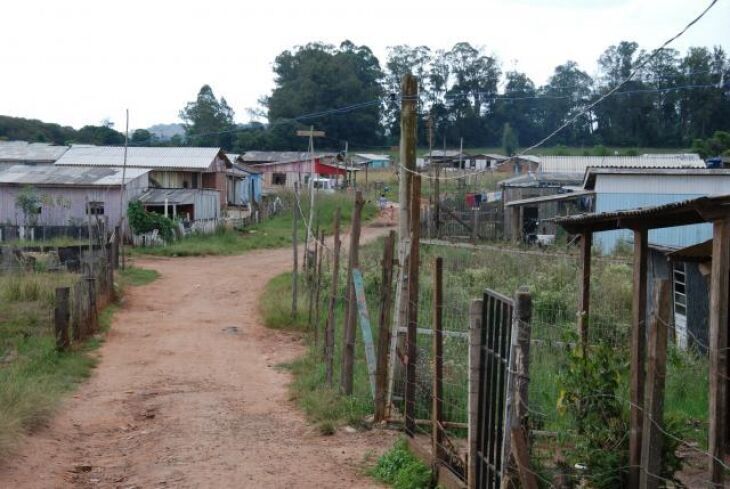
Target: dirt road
pixel 188 395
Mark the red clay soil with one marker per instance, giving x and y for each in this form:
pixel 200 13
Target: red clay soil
pixel 188 395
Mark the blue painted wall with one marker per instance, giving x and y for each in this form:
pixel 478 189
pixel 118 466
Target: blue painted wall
pixel 679 236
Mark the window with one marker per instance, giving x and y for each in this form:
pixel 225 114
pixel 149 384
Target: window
pixel 278 179
pixel 95 208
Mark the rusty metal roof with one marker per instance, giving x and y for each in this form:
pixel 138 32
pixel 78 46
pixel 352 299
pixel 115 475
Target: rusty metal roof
pixel 184 158
pixel 52 176
pixel 692 211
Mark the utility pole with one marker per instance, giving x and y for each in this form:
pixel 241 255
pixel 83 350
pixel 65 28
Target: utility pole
pixel 121 190
pixel 408 139
pixel 311 133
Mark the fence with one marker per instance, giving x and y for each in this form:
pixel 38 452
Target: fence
pixel 42 233
pixel 466 399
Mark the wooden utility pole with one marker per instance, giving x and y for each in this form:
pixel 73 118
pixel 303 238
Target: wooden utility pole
pixel 329 335
pixel 412 332
pixel 386 305
pixel 653 438
pixel 311 134
pixel 295 265
pixel 348 344
pixel 437 411
pixel 311 278
pixel 407 165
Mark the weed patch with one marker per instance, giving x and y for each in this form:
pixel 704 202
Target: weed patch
pixel 401 469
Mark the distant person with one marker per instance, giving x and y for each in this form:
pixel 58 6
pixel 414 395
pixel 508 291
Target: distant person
pixel 383 202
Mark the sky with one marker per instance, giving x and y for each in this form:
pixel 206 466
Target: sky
pixel 77 62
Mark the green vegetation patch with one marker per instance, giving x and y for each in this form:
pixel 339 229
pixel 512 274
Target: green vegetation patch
pixel 401 469
pixel 135 276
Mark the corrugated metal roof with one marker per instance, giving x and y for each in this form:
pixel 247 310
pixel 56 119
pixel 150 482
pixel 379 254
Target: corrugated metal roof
pixel 51 175
pixel 540 179
pixel 281 156
pixel 140 157
pixel 372 157
pixel 23 151
pixel 591 174
pixel 579 164
pixel 549 198
pixel 172 195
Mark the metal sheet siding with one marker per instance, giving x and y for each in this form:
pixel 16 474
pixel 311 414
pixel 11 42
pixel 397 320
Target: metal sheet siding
pixel 664 184
pixel 679 236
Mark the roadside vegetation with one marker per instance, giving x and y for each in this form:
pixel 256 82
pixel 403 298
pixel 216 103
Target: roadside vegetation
pixel 274 232
pixel 34 377
pixel 401 469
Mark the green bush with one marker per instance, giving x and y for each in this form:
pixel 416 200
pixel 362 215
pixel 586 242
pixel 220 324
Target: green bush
pixel 142 221
pixel 401 469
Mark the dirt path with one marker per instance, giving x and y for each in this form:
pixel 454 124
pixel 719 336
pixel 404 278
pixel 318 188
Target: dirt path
pixel 187 394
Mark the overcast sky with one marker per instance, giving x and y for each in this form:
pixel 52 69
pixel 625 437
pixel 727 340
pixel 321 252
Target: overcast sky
pixel 79 62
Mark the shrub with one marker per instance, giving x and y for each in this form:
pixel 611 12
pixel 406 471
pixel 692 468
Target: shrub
pixel 400 468
pixel 143 221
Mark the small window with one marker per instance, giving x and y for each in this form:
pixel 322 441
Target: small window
pixel 96 208
pixel 278 179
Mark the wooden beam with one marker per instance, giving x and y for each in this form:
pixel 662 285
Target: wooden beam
pixel 719 290
pixel 515 224
pixel 656 371
pixel 638 352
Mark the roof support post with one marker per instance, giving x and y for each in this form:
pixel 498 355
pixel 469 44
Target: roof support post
pixel 638 354
pixel 719 290
pixel 515 223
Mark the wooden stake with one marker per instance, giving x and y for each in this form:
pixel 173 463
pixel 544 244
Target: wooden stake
pixel 61 319
pixel 586 242
pixel 653 437
pixel 522 458
pixel 93 324
pixel 411 335
pixel 638 352
pixel 295 265
pixel 386 305
pixel 312 276
pixel 437 411
pixel 329 341
pixel 719 290
pixel 348 345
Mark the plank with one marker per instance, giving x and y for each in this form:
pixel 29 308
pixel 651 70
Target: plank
pixel 365 328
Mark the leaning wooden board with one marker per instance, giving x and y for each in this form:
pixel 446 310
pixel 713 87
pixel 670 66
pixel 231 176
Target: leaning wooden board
pixel 367 333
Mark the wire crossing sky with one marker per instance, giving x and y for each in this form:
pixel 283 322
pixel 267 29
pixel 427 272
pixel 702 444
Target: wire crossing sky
pixel 82 61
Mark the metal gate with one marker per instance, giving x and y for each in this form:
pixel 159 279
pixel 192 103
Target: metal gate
pixel 494 357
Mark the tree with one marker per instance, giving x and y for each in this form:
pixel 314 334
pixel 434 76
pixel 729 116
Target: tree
pixel 29 204
pixel 207 120
pixel 141 137
pixel 567 90
pixel 317 78
pixel 99 135
pixel 509 140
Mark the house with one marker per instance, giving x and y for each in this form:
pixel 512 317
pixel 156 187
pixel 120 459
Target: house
pixel 63 194
pixel 518 165
pixel 450 159
pixel 202 171
pixel 24 153
pixel 369 160
pixel 249 187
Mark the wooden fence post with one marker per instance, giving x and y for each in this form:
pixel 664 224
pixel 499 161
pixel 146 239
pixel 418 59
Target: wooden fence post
pixel 437 411
pixel 386 305
pixel 61 317
pixel 329 336
pixel 516 407
pixel 475 346
pixel 311 279
pixel 348 343
pixel 295 265
pixel 92 317
pixel 474 224
pixel 318 290
pixel 652 438
pixel 412 333
pixel 115 247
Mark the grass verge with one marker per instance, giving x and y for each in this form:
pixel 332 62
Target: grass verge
pixel 275 232
pixel 34 377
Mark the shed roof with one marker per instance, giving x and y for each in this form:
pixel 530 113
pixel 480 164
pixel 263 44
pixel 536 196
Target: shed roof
pixel 692 211
pixel 281 156
pixel 185 158
pixel 59 176
pixel 589 181
pixel 548 198
pixel 579 164
pixel 372 156
pixel 23 151
pixel 700 252
pixel 542 179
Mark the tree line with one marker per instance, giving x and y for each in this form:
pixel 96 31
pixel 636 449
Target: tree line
pixel 344 90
